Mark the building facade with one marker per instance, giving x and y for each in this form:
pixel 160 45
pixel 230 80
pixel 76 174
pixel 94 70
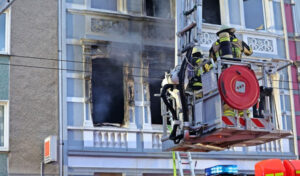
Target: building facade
pixel 88 71
pixel 29 86
pixel 117 53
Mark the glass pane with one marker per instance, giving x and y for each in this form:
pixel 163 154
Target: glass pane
pixel 146 114
pixel 104 4
pixel 75 26
pixel 74 87
pixel 287 103
pixel 234 11
pixel 211 12
pixel 2 125
pixel 75 114
pixel 76 1
pixel 288 122
pixel 74 59
pixel 158 8
pixel 134 6
pixel 2 31
pixel 297 16
pixel 284 125
pixel 282 102
pixel 277 16
pixel 254 17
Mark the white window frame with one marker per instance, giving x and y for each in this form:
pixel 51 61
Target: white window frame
pixel 7 32
pixel 284 112
pixel 5 147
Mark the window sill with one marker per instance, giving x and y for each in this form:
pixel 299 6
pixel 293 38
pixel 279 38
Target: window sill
pixel 4 150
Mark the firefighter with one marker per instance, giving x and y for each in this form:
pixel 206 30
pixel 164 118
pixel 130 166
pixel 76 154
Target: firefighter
pixel 197 58
pixel 228 45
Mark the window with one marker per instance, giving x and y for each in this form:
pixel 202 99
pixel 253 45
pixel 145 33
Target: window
pixel 104 4
pixel 285 100
pixel 211 12
pixel 134 6
pixel 297 17
pixel 277 15
pixel 3 126
pixel 254 14
pixel 107 91
pixel 4 35
pixel 158 8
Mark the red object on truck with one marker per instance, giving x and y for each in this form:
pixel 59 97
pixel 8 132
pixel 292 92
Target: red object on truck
pixel 292 167
pixel 271 167
pixel 239 87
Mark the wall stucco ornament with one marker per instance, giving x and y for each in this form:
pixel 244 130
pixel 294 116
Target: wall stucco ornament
pixel 261 45
pixel 103 25
pixel 207 38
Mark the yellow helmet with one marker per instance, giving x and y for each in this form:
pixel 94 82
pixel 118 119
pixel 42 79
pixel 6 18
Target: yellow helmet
pixel 197 52
pixel 225 28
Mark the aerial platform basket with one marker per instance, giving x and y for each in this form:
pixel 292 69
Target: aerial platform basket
pixel 208 129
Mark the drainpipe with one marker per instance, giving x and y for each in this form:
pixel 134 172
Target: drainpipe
pixel 286 42
pixel 60 74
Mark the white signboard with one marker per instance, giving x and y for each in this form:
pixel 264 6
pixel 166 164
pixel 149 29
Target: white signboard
pixel 4 4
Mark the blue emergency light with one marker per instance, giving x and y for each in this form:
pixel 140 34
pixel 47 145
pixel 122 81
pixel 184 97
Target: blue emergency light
pixel 221 169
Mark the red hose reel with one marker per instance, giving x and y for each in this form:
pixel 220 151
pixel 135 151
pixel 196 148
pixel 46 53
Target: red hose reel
pixel 239 87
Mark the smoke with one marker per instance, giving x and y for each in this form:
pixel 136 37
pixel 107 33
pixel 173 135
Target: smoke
pixel 137 55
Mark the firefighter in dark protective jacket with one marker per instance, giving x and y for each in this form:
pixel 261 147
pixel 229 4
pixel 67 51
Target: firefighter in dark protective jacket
pixel 197 57
pixel 228 45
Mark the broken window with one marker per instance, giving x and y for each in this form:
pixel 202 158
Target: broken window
pixel 158 65
pixel 158 8
pixel 107 91
pixel 254 20
pixel 104 4
pixel 211 12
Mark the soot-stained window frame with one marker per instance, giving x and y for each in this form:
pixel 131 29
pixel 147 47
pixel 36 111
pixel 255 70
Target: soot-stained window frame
pixel 106 122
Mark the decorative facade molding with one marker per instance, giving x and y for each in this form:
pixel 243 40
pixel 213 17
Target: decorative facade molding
pixel 207 38
pixel 105 26
pixel 264 45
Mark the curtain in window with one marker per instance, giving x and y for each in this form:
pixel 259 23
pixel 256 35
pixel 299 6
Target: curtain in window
pixel 254 16
pixel 2 31
pixel 104 4
pixel 234 11
pixel 297 17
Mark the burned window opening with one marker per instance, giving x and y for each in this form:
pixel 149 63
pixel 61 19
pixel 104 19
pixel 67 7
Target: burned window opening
pixel 211 12
pixel 158 8
pixel 107 92
pixel 158 65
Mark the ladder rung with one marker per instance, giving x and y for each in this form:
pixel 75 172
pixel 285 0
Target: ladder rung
pixel 186 29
